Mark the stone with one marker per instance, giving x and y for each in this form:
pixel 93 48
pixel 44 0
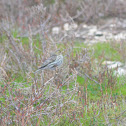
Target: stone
pixel 107 62
pixel 120 36
pixel 66 27
pixel 116 64
pixel 56 30
pixel 112 25
pixel 73 26
pixel 84 26
pixel 120 71
pixel 98 33
pixel 112 64
pixel 77 35
pixel 109 36
pixel 92 31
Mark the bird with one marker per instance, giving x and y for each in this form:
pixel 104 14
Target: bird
pixel 52 62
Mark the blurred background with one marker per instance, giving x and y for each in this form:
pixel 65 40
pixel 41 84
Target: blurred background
pixel 89 88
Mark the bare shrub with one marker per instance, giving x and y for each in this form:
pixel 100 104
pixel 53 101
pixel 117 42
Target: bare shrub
pixel 54 97
pixel 61 11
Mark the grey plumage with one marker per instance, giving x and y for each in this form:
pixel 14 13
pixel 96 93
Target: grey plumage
pixel 52 62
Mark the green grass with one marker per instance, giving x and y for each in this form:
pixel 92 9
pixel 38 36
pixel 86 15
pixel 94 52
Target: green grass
pixel 121 86
pixel 103 51
pixel 106 51
pixel 94 90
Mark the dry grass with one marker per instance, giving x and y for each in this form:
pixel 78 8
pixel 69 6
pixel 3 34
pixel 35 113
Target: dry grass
pixel 80 92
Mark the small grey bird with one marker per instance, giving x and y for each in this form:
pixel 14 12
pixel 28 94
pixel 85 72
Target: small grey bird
pixel 52 62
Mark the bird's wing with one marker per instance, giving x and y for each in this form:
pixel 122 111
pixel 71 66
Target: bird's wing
pixel 48 61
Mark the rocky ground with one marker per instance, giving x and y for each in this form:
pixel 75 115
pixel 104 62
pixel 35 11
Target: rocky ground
pixel 106 30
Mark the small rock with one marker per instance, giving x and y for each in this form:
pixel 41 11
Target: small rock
pixel 73 26
pixel 93 27
pixel 77 35
pixel 120 36
pixel 90 43
pixel 98 33
pixel 112 64
pixel 84 26
pixel 112 25
pixel 66 27
pixel 56 30
pixel 121 71
pixel 109 36
pixel 107 62
pixel 92 31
